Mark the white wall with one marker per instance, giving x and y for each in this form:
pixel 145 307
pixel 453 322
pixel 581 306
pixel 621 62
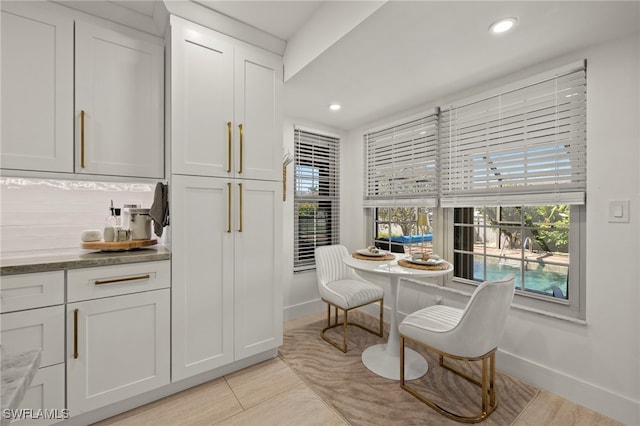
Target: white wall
pixel 597 364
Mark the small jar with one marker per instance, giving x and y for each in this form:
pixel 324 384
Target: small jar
pixel 140 224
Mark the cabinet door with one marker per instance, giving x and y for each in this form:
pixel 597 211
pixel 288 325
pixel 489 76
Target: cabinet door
pixel 202 275
pixel 37 87
pixel 258 82
pixel 119 102
pixel 117 347
pixel 201 101
pixel 258 261
pixel 46 392
pixel 35 329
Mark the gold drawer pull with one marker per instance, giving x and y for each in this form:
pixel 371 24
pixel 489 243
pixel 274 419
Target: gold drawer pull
pixel 241 127
pixel 82 139
pixel 229 147
pixel 121 280
pixel 229 207
pixel 75 333
pixel 241 207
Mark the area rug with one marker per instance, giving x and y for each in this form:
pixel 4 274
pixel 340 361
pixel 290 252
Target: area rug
pixel 363 398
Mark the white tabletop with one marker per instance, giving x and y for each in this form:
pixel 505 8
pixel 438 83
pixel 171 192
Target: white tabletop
pixel 391 267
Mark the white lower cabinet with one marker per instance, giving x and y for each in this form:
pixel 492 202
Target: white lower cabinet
pixel 46 394
pixel 33 318
pixel 117 347
pixel 35 329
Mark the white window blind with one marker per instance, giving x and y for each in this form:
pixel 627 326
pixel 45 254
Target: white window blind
pixel 316 195
pixel 523 146
pixel 401 167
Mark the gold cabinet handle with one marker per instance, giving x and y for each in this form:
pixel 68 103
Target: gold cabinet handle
pixel 75 333
pixel 241 208
pixel 241 127
pixel 229 132
pixel 82 139
pixel 122 280
pixel 229 207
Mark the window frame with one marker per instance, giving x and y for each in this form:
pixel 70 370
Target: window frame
pixel 574 307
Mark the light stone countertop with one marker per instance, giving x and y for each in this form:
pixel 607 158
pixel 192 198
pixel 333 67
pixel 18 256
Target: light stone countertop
pixel 18 371
pixel 12 263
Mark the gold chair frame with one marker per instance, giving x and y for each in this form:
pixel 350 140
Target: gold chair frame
pixel 346 322
pixel 486 383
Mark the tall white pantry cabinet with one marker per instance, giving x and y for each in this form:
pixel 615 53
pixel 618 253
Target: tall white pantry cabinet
pixel 226 206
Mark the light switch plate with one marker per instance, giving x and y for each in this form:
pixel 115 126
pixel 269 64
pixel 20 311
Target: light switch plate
pixel 619 211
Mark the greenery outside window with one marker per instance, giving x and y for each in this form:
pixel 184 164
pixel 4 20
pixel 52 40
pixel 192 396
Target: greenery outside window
pixel 316 195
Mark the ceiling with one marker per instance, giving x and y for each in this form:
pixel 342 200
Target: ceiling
pixel 279 18
pixel 412 53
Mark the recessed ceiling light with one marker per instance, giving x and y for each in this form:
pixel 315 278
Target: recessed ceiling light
pixel 503 25
pixel 334 107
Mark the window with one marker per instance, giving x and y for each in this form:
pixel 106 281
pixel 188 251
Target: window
pixel 316 195
pixel 401 182
pixel 508 171
pixel 540 245
pixel 514 170
pixel 404 229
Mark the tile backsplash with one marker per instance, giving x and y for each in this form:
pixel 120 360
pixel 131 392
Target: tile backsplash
pixel 40 214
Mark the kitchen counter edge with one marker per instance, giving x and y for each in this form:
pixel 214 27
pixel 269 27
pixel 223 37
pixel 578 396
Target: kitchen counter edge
pixel 56 260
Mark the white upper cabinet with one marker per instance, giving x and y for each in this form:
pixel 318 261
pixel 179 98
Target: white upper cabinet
pixel 225 115
pixel 202 101
pixel 117 127
pixel 258 87
pixel 37 87
pixel 119 102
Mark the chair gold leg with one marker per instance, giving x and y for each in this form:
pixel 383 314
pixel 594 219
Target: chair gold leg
pixel 486 383
pixel 492 380
pixel 345 323
pixel 381 331
pixel 402 361
pixel 344 329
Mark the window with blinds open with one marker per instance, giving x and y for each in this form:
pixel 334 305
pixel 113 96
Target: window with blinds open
pixel 523 145
pixel 316 195
pixel 401 163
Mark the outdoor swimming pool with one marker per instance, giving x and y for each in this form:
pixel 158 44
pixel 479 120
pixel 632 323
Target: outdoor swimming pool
pixel 541 279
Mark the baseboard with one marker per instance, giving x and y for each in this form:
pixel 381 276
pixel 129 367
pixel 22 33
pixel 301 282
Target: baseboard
pixel 612 405
pixel 300 310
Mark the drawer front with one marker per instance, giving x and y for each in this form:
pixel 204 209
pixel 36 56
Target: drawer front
pixel 28 291
pixel 35 329
pixel 45 393
pixel 106 281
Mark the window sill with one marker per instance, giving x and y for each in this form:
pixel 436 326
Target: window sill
pixel 517 306
pixel 548 314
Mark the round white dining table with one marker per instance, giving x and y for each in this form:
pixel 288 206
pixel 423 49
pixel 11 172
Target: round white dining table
pixel 384 359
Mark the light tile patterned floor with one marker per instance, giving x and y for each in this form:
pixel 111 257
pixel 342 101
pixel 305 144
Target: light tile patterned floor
pixel 270 393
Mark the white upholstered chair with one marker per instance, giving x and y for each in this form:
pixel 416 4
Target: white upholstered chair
pixel 340 287
pixel 470 334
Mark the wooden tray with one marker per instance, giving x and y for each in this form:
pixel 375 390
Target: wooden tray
pixel 118 245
